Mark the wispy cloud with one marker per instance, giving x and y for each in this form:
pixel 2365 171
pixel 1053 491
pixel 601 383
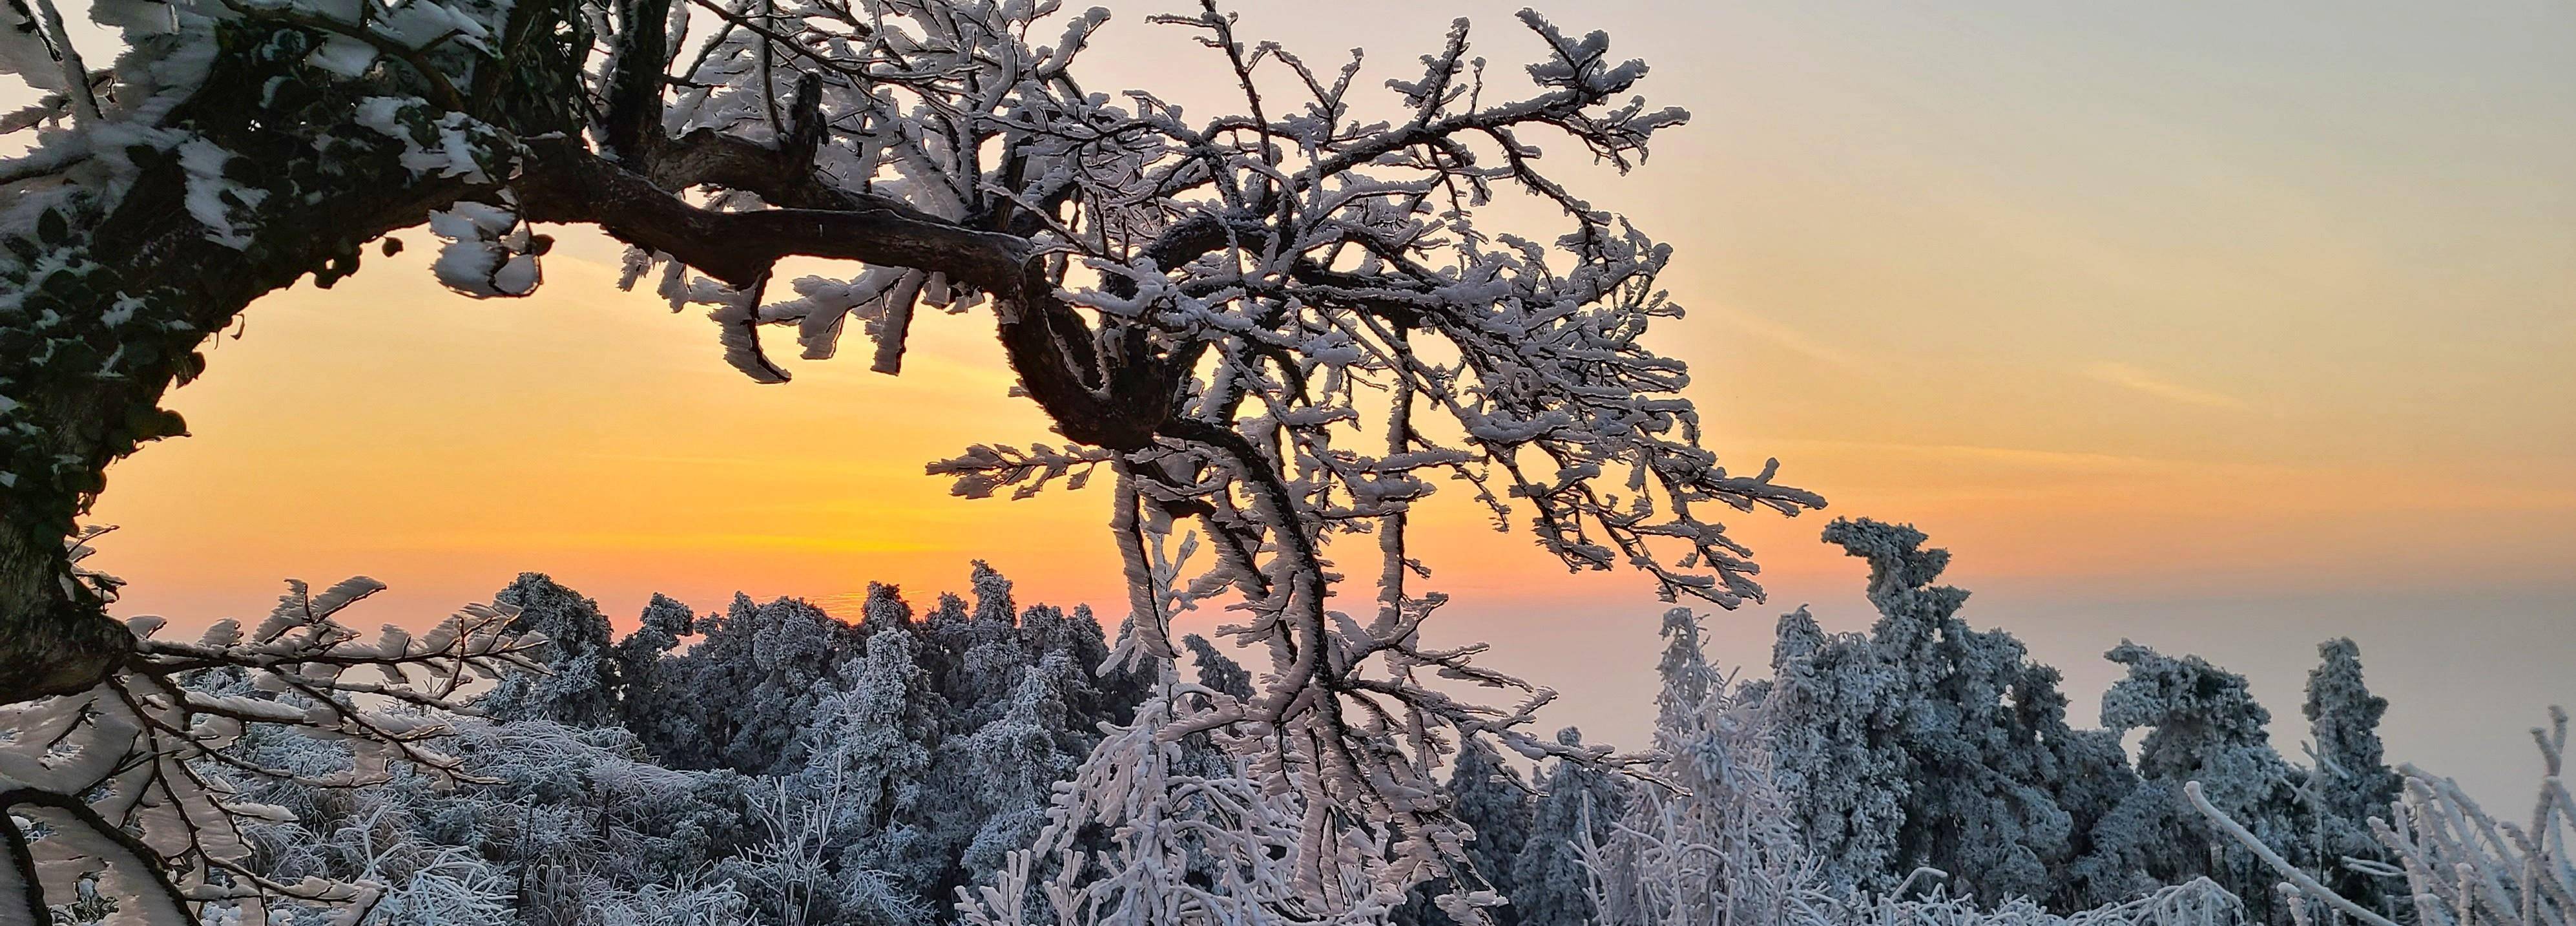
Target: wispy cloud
pixel 1957 458
pixel 2132 378
pixel 1783 336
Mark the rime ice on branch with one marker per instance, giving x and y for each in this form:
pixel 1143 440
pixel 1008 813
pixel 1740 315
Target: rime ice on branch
pixel 1274 325
pixel 126 784
pixel 2458 865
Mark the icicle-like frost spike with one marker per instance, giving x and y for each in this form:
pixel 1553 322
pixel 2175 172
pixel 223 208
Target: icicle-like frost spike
pixel 487 252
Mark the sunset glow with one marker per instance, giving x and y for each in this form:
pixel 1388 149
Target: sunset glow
pixel 2126 313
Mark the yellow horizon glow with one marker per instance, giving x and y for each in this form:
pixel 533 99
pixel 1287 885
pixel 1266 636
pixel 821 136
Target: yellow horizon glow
pixel 2158 316
pixel 444 444
pixel 2204 333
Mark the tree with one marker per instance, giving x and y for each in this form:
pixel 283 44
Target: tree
pixel 1577 804
pixel 1217 672
pixel 1718 845
pixel 756 677
pixel 1493 800
pixel 1187 844
pixel 909 764
pixel 544 822
pixel 1210 308
pixel 646 699
pixel 867 778
pixel 1156 830
pixel 1983 727
pixel 2092 775
pixel 1930 743
pixel 1007 767
pixel 2352 781
pixel 991 662
pixel 2206 730
pixel 1846 777
pixel 2460 866
pixel 580 685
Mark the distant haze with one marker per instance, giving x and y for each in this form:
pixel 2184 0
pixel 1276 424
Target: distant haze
pixel 2222 327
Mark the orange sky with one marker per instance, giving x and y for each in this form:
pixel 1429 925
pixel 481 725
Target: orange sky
pixel 2170 321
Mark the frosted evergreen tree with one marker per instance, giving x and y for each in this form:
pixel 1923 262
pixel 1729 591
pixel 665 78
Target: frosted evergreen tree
pixel 1002 711
pixel 1006 769
pixel 1175 840
pixel 1153 831
pixel 2452 863
pixel 1492 799
pixel 2092 775
pixel 884 798
pixel 1984 803
pixel 1846 775
pixel 754 679
pixel 1216 671
pixel 794 661
pixel 2203 726
pixel 863 792
pixel 1929 743
pixel 1715 844
pixel 580 684
pixel 883 783
pixel 2351 781
pixel 991 660
pixel 884 609
pixel 1689 681
pixel 649 702
pixel 1096 692
pixel 1719 845
pixel 872 739
pixel 947 630
pixel 1578 804
pixel 1218 677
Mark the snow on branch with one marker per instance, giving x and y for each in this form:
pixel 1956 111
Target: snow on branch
pixel 1281 321
pixel 2460 866
pixel 128 782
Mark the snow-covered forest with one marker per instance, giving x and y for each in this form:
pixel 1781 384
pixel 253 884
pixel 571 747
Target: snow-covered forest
pixel 988 762
pixel 1259 337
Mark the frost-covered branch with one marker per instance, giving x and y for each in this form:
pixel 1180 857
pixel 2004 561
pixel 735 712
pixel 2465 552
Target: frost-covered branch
pixel 2460 866
pixel 133 778
pixel 1280 323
